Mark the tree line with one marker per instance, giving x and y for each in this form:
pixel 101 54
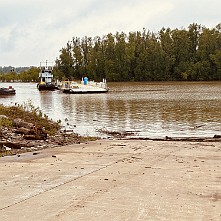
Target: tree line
pixel 192 54
pixel 8 69
pixel 27 75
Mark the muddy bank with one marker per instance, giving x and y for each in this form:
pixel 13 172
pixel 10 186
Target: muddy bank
pixel 25 137
pixel 132 135
pixel 20 140
pixel 215 138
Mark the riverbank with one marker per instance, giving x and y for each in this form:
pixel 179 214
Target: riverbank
pixel 23 128
pixel 114 180
pixel 15 142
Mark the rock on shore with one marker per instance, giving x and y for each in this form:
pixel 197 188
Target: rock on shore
pixel 24 136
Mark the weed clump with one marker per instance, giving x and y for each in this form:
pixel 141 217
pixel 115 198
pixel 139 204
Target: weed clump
pixel 28 113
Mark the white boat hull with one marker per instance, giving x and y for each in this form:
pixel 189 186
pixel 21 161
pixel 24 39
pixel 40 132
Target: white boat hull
pixel 71 87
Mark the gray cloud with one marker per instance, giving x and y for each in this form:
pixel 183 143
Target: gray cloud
pixel 35 30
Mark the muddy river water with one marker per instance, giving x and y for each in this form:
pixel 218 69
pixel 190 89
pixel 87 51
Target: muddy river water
pixel 149 109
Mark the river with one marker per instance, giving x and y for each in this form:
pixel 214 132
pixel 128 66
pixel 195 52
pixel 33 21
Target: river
pixel 153 110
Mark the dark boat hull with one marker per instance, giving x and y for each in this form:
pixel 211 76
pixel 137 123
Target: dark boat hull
pixel 7 91
pixel 46 87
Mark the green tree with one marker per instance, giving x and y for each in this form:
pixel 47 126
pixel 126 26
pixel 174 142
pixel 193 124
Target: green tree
pixel 65 62
pixel 166 41
pixel 181 49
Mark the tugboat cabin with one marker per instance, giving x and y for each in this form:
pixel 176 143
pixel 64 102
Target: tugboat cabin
pixel 46 75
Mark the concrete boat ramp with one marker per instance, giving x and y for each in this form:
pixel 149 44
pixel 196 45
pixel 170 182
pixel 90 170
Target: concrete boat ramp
pixel 113 180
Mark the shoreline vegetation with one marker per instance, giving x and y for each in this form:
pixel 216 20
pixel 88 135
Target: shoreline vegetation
pixel 23 128
pixel 185 54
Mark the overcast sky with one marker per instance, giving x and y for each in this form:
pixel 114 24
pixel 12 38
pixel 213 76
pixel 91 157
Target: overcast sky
pixel 32 31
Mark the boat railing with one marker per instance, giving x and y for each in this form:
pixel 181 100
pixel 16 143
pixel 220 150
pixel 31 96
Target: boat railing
pixel 102 84
pixel 67 85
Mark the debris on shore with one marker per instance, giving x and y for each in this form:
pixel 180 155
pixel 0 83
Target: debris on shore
pixel 117 134
pixel 215 138
pixel 132 135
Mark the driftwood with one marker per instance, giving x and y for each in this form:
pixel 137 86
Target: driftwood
pixel 127 134
pixel 215 138
pixel 117 134
pixel 35 136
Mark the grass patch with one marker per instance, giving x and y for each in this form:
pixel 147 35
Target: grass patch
pixel 5 122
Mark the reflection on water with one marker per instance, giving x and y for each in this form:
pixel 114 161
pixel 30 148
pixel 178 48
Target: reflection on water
pixel 151 109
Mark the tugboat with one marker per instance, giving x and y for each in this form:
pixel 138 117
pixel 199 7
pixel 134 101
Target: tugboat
pixel 7 91
pixel 46 77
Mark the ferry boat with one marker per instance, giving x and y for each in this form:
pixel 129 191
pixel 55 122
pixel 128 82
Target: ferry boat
pixel 46 78
pixel 7 91
pixel 84 87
